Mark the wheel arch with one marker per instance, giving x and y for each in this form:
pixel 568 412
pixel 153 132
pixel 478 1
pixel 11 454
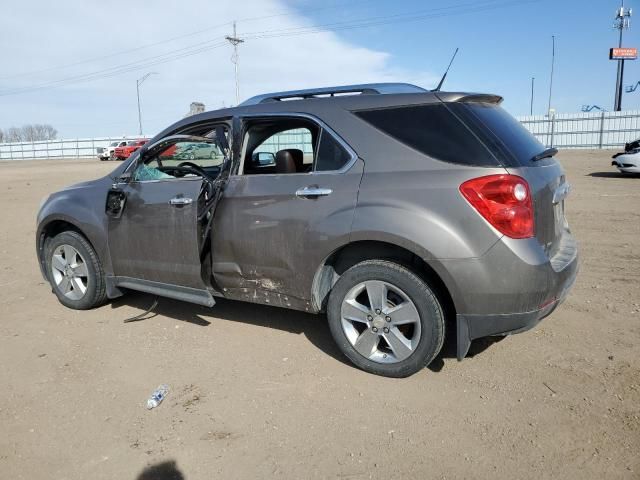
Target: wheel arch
pixel 358 251
pixel 53 226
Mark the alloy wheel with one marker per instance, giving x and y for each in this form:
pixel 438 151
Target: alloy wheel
pixel 380 321
pixel 69 271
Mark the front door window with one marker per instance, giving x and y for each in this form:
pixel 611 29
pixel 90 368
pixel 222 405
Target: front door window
pixel 182 159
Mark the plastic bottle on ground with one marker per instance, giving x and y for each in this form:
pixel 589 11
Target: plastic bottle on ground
pixel 157 396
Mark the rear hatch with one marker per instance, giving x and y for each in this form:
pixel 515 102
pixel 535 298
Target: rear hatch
pixel 522 154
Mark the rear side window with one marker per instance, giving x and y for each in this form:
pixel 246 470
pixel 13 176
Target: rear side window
pixel 432 130
pixel 331 155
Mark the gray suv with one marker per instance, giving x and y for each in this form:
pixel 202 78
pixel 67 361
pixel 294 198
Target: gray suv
pixel 406 215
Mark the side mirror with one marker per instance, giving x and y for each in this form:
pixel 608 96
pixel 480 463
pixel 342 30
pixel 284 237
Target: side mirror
pixel 124 177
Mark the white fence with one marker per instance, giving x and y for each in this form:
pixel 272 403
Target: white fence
pixel 585 130
pixel 565 130
pixel 68 148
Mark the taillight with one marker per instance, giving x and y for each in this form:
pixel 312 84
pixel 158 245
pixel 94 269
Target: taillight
pixel 504 201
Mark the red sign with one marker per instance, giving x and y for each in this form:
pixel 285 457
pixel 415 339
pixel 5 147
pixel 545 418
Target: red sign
pixel 623 53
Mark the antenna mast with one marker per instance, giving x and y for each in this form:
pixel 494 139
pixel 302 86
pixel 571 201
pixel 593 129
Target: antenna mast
pixel 437 89
pixel 622 21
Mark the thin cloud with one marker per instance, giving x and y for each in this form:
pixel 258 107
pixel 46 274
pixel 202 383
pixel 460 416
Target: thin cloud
pixel 83 30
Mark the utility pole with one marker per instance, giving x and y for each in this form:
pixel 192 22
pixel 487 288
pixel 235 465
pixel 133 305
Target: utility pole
pixel 622 21
pixel 138 83
pixel 235 41
pixel 533 79
pixel 553 61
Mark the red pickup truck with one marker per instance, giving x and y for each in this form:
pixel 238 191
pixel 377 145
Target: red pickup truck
pixel 122 153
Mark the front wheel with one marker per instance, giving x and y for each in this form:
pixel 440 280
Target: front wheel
pixel 74 271
pixel 385 319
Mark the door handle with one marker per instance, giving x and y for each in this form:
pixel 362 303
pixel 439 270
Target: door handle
pixel 313 192
pixel 180 201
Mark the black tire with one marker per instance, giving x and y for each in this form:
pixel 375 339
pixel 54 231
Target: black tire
pixel 95 294
pixel 432 321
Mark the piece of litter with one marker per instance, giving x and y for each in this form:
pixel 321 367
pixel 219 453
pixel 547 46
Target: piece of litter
pixel 550 389
pixel 157 396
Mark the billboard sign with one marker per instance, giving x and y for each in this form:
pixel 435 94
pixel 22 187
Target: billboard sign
pixel 623 53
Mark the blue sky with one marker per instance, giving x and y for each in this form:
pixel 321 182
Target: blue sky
pixel 501 48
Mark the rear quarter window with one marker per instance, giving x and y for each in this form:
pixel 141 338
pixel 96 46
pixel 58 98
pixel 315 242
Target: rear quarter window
pixel 504 135
pixel 432 130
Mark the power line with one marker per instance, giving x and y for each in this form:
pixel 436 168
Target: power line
pixel 200 47
pixel 471 7
pixel 172 39
pixel 120 69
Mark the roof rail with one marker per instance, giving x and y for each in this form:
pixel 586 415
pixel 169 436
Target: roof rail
pixel 365 88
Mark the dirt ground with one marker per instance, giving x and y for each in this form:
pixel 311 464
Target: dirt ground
pixel 262 392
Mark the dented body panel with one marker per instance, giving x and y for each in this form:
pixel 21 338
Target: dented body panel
pixel 273 240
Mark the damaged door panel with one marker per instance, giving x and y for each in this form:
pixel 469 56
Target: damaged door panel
pixel 160 216
pixel 274 239
pixel 155 237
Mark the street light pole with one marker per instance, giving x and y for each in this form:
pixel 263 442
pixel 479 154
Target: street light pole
pixel 533 79
pixel 138 83
pixel 553 61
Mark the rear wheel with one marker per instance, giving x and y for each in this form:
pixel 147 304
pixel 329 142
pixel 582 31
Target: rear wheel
pixel 75 272
pixel 385 319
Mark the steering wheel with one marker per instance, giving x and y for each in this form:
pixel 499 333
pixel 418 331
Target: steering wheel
pixel 195 167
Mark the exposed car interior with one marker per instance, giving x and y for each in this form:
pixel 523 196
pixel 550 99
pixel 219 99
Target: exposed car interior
pixel 273 146
pixel 190 157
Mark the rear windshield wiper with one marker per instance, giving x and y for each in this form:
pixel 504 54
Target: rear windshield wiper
pixel 549 152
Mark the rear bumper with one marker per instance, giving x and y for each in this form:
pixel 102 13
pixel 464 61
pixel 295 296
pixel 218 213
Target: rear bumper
pixel 471 327
pixel 522 293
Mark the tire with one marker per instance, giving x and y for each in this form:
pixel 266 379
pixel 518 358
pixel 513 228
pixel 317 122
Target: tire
pixel 402 291
pixel 84 286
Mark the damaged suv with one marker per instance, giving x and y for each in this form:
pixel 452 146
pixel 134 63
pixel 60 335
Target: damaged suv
pixel 390 208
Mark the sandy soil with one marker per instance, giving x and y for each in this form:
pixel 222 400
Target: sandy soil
pixel 262 392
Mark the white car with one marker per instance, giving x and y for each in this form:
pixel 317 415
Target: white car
pixel 108 153
pixel 627 162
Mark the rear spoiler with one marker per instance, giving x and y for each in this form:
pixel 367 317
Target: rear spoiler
pixel 481 98
pixel 470 98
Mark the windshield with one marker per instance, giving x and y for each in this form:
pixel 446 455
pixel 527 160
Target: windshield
pixel 132 142
pixel 113 144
